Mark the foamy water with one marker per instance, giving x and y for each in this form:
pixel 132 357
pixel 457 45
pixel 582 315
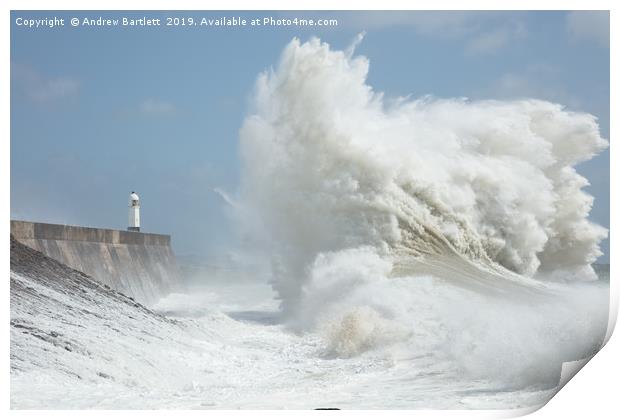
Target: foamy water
pixel 230 347
pixel 423 253
pixel 445 227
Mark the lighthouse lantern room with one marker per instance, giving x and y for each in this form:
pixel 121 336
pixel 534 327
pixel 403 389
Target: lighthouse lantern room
pixel 134 212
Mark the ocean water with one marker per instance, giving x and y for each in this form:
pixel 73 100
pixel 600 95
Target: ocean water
pixel 411 227
pixel 413 253
pixel 602 271
pixel 447 363
pixel 224 342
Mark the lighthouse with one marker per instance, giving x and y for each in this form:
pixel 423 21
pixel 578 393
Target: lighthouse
pixel 134 212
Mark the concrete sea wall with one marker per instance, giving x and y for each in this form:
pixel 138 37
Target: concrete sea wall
pixel 140 265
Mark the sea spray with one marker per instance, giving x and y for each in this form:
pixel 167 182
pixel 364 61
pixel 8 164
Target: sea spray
pixel 405 225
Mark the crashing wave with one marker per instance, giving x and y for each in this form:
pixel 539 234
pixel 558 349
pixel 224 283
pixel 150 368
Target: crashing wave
pixel 372 210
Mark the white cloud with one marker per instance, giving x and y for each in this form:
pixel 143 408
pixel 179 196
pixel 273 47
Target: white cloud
pixel 480 32
pixel 43 89
pixel 589 26
pixel 430 23
pixel 487 42
pixel 157 107
pixel 494 40
pixel 535 82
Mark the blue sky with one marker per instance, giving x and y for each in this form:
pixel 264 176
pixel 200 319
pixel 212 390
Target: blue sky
pixel 98 112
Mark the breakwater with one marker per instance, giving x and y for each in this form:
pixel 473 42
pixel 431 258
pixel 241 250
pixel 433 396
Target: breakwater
pixel 140 265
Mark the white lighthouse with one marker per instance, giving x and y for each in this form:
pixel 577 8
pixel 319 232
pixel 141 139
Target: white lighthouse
pixel 134 212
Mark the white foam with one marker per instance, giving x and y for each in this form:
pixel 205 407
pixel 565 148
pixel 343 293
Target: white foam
pixel 373 209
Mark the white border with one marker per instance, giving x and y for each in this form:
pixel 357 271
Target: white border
pixel 593 392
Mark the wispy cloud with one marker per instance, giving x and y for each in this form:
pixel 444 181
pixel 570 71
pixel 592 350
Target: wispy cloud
pixel 40 88
pixel 479 32
pixel 496 39
pixel 440 24
pixel 536 81
pixel 589 26
pixel 157 108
